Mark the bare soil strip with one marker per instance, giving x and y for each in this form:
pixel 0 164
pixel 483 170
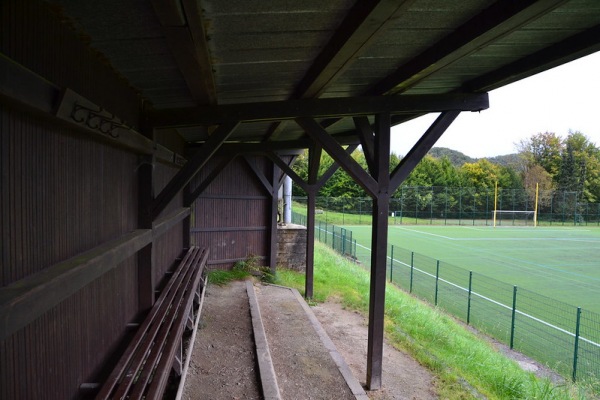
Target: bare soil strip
pixel 223 364
pixel 304 367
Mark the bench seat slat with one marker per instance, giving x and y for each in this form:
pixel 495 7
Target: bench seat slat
pixel 140 371
pixel 169 329
pixel 161 376
pixel 128 371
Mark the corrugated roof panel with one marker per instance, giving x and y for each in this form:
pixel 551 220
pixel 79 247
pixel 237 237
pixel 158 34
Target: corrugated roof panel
pixel 271 43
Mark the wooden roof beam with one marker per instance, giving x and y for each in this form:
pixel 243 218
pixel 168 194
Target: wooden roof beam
pixel 497 21
pixel 579 45
pixel 318 108
pixel 363 22
pixel 184 33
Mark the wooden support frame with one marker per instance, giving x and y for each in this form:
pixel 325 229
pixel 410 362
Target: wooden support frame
pixel 311 187
pixel 260 175
pixel 421 148
pixel 314 130
pixel 379 252
pixel 317 108
pixel 274 207
pixel 190 197
pixel 380 184
pixel 191 168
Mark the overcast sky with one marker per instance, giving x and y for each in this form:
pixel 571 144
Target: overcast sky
pixel 561 99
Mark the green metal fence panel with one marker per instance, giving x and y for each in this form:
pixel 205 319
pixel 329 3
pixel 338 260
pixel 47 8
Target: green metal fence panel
pixel 437 205
pixel 566 338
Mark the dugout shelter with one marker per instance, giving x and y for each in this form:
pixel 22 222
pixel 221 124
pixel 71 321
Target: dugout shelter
pixel 131 130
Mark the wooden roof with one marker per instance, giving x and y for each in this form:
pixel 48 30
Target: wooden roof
pixel 191 59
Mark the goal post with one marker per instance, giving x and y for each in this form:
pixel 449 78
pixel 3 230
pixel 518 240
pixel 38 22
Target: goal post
pixel 521 213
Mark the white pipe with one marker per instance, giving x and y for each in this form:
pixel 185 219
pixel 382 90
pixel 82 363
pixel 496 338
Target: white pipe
pixel 287 200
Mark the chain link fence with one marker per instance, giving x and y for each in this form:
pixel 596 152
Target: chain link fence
pixel 467 206
pixel 559 335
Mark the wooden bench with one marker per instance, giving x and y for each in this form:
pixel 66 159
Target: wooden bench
pixel 144 368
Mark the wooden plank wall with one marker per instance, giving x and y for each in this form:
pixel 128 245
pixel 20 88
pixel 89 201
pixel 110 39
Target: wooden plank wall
pixel 166 248
pixel 62 192
pixel 232 216
pixel 62 195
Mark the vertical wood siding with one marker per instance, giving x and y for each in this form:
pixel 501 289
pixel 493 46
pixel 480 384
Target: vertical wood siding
pixel 232 216
pixel 166 248
pixel 32 34
pixel 62 195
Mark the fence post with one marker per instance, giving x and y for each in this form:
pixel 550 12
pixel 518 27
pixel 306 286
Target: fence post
pixel 437 279
pixel 392 265
pixel 469 297
pixel 514 313
pixel 333 236
pixel 343 241
pixel 320 232
pixel 412 268
pixel 575 353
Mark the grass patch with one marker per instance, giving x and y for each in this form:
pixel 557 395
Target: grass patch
pixel 463 362
pixel 242 270
pixel 221 277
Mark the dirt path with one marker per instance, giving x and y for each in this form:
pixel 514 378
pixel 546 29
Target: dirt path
pixel 403 377
pixel 223 362
pixel 304 367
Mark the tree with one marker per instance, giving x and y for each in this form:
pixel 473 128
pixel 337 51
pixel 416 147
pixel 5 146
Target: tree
pixel 580 167
pixel 481 174
pixel 543 149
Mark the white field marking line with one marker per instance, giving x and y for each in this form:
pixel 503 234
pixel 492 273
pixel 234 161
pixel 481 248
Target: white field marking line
pixel 510 260
pixel 502 239
pixel 427 233
pixel 492 301
pixel 475 229
pixel 503 305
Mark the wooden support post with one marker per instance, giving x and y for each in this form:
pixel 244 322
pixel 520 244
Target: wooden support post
pixel 274 208
pixel 310 242
pixel 379 253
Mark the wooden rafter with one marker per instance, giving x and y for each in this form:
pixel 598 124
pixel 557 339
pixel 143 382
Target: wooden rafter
pixel 570 49
pixel 363 22
pixel 500 19
pixel 184 33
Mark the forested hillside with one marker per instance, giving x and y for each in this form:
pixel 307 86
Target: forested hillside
pixel 570 164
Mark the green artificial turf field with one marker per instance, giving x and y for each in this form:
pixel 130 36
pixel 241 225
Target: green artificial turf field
pixel 561 263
